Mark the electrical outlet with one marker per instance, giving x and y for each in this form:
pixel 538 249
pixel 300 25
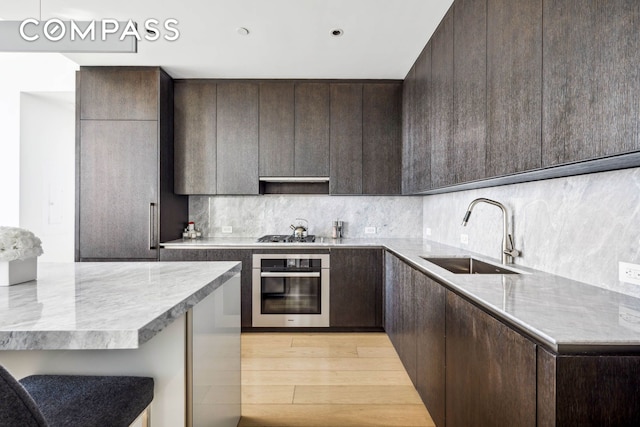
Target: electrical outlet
pixel 464 239
pixel 629 273
pixel 227 229
pixel 428 231
pixel 369 230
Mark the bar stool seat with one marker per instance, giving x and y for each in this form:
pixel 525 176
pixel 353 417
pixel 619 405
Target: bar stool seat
pixel 73 400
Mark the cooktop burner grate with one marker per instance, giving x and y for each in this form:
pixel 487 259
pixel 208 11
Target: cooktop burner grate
pixel 286 238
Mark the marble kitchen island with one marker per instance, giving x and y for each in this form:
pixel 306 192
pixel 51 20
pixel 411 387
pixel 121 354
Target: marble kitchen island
pixel 176 322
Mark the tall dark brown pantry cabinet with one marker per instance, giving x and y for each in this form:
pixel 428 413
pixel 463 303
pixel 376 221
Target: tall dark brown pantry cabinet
pixel 125 204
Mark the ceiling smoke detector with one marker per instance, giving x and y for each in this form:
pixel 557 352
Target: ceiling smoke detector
pixel 243 31
pixel 337 32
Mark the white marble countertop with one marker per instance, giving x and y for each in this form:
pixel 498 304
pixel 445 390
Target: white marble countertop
pixel 564 315
pixel 107 305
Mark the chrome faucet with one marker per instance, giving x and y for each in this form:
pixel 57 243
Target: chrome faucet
pixel 508 251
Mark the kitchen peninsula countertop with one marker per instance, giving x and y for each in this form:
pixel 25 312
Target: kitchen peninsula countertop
pixel 106 305
pixel 563 315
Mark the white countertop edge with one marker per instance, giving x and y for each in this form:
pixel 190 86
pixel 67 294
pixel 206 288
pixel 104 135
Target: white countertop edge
pixel 108 339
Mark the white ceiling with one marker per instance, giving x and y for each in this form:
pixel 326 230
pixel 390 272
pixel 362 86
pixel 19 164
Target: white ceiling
pixel 288 38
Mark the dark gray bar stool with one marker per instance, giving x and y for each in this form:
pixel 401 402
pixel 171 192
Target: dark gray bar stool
pixel 73 400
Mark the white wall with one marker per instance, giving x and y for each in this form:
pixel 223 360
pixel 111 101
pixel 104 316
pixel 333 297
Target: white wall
pixel 23 72
pixel 47 171
pixel 577 227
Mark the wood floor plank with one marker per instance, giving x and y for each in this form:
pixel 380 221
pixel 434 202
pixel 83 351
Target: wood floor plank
pixel 322 363
pixel 376 352
pixel 326 378
pixel 288 352
pixel 357 395
pixel 267 394
pixel 266 339
pixel 335 416
pixel 359 340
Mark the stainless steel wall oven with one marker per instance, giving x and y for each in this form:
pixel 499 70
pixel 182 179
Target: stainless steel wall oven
pixel 290 290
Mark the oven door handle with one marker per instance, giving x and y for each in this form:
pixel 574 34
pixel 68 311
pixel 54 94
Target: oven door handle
pixel 291 274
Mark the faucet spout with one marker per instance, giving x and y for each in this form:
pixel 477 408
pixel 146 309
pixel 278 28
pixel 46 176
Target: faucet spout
pixel 508 251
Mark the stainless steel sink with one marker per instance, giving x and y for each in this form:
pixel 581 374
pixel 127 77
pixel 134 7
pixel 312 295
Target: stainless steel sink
pixel 468 266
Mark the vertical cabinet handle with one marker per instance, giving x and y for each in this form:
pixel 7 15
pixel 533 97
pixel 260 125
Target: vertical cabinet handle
pixel 152 228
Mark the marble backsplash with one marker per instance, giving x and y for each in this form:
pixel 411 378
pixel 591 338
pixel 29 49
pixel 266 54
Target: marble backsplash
pixel 253 216
pixel 577 227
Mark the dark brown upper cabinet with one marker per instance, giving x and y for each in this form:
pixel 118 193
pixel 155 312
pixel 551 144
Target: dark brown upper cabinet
pixel 195 137
pixel 407 118
pixel 119 93
pixel 237 138
pixel 312 129
pixel 416 135
pixel 525 90
pixel 381 138
pixel 277 119
pixel 441 127
pixel 346 139
pixel 590 79
pixel 366 137
pixel 469 94
pixel 420 163
pixel 514 86
pixel 125 197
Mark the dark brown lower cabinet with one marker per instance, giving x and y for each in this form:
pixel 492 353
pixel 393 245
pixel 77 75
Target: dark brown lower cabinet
pixel 430 300
pixel 471 369
pixel 399 311
pixel 243 255
pixel 356 288
pixel 588 390
pixel 490 370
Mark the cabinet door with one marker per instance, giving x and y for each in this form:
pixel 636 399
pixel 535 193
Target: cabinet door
pixel 514 86
pixel 441 127
pixel 421 140
pixel 491 370
pixel 590 79
pixel 118 189
pixel 588 389
pixel 470 94
pixel 118 93
pixel 400 311
pixel 237 138
pixel 346 139
pixel 430 301
pixel 356 288
pixel 312 129
pixel 195 138
pixel 277 129
pixel 381 138
pixel 409 114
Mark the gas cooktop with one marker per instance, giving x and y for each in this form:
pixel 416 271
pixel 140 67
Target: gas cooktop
pixel 286 238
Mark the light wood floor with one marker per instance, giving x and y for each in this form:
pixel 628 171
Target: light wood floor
pixel 326 379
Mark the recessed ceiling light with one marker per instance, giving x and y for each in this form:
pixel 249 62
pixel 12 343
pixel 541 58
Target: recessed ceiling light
pixel 337 32
pixel 243 31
